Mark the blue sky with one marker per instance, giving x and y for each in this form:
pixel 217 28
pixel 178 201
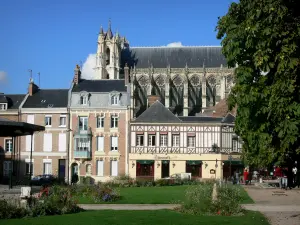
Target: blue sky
pixel 51 37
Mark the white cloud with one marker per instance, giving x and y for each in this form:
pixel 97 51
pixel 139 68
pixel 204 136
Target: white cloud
pixel 88 66
pixel 3 76
pixel 175 44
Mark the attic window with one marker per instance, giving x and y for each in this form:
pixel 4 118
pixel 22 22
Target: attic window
pixel 83 100
pixel 3 106
pixel 114 100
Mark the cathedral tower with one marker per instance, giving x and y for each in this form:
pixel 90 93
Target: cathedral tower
pixel 109 54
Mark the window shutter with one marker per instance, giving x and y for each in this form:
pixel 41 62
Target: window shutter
pixel 48 142
pixel 100 143
pixel 114 168
pixel 28 143
pixel 62 147
pixel 30 119
pixel 100 165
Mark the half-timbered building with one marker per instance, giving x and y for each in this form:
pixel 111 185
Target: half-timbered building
pixel 162 144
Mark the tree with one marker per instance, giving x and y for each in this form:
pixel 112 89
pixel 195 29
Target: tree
pixel 262 38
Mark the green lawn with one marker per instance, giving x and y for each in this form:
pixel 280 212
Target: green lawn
pixel 154 195
pixel 165 217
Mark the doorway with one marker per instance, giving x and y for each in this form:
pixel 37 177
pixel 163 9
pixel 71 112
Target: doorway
pixel 165 168
pixel 62 169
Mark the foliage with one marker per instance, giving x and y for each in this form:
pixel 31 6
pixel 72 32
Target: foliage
pixel 98 193
pixel 11 211
pixel 199 200
pixel 228 200
pixel 86 180
pixel 262 37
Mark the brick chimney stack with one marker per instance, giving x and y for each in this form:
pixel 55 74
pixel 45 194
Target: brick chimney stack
pixel 33 88
pixel 152 99
pixel 126 74
pixel 77 74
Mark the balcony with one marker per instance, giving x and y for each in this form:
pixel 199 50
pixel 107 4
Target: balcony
pixel 82 154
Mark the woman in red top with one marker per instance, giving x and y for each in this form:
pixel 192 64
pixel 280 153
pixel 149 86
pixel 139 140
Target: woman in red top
pixel 246 176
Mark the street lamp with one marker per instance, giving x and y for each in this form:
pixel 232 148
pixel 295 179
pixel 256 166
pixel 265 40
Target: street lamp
pixel 234 138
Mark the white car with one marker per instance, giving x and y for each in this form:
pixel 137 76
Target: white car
pixel 179 176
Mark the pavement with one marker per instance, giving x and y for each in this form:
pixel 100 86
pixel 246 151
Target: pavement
pixel 128 206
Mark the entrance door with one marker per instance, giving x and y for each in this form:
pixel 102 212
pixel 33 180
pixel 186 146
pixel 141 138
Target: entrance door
pixel 165 168
pixel 61 169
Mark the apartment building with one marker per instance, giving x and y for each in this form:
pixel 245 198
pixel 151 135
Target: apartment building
pixel 9 109
pixel 98 128
pixel 49 108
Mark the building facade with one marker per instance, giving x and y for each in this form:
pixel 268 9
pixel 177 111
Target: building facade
pixel 49 108
pixel 162 145
pixel 99 123
pixel 9 109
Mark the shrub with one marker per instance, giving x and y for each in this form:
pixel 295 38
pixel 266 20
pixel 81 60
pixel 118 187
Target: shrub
pixel 228 200
pixel 11 211
pixel 198 199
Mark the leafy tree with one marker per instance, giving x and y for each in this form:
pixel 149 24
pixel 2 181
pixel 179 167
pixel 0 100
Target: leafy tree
pixel 262 37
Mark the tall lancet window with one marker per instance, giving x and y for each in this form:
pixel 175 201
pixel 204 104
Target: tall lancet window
pixel 107 56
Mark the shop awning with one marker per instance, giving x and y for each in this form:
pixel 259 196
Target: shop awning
pixel 145 161
pixel 194 162
pixel 233 162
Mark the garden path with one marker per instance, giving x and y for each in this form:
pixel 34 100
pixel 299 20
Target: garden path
pixel 280 207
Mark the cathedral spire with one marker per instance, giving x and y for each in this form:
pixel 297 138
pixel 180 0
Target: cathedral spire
pixel 101 30
pixel 109 32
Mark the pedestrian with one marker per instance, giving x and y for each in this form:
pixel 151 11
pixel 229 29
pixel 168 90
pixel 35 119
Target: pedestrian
pixel 237 177
pixel 295 176
pixel 285 178
pixel 246 177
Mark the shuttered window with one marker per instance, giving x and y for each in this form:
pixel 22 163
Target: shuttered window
pixel 100 168
pixel 62 145
pixel 100 144
pixel 114 168
pixel 47 142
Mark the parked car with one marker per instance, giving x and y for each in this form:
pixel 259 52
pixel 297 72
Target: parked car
pixel 46 179
pixel 179 176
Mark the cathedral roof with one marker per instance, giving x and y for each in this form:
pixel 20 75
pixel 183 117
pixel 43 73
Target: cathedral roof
pixel 100 86
pixel 157 113
pixel 176 57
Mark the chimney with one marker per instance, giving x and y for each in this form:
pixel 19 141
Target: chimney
pixel 126 74
pixel 77 74
pixel 152 99
pixel 33 88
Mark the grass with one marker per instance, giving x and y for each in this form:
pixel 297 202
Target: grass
pixel 154 195
pixel 110 217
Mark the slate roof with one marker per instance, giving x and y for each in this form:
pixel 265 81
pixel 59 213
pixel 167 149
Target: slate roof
pixel 176 57
pixel 229 118
pixel 13 100
pixel 48 98
pixel 157 113
pixel 100 86
pixel 220 109
pixel 200 119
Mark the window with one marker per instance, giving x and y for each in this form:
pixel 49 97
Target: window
pixel 191 141
pixel 7 168
pixel 100 144
pixel 100 168
pixel 47 142
pixel 62 142
pixel 88 169
pixel 8 145
pixel 114 168
pixel 83 100
pixel 83 123
pixel 114 121
pixel 62 121
pixel 151 139
pixel 28 168
pixel 48 121
pixel 114 144
pixel 140 140
pixel 100 122
pixel 163 140
pixel 82 144
pixel 114 100
pixel 175 140
pixel 3 106
pixel 47 168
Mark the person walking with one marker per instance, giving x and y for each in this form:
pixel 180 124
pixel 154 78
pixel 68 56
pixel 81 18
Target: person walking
pixel 295 176
pixel 246 176
pixel 285 178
